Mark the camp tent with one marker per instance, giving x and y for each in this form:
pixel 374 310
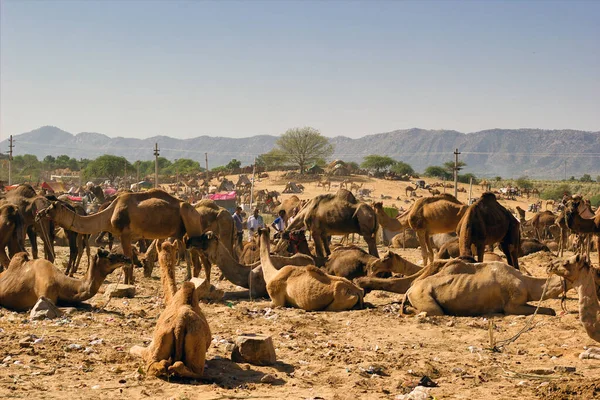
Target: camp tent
pixel 55 187
pixel 227 200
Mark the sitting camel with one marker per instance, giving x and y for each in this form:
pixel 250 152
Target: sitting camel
pixel 338 213
pixel 25 281
pixel 246 276
pixel 308 287
pixel 486 222
pixel 577 271
pixel 181 337
pixel 465 289
pixel 12 232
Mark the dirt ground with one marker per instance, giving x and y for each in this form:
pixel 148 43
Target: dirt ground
pixel 374 353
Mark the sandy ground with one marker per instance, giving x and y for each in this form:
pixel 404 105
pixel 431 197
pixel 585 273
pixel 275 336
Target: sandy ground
pixel 374 353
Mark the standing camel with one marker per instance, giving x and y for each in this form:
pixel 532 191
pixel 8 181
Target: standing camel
pixel 581 225
pixel 154 214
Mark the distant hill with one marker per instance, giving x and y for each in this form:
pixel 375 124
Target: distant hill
pixel 504 152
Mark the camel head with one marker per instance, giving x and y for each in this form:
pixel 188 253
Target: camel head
pixel 264 231
pixel 569 268
pixel 108 261
pixel 378 205
pixel 207 242
pixel 49 211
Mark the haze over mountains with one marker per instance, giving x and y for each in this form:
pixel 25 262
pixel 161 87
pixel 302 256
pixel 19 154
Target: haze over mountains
pixel 504 152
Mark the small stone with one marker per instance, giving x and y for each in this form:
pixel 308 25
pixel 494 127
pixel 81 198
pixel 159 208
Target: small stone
pixel 450 324
pixel 268 378
pixel 564 369
pixel 74 347
pixel 457 370
pixel 26 342
pixel 119 290
pixel 44 308
pixel 254 349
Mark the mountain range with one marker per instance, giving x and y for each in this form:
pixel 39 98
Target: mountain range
pixel 508 153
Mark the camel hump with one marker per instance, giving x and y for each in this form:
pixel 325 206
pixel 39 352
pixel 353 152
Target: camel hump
pixel 18 260
pixel 346 195
pixel 489 196
pixel 207 203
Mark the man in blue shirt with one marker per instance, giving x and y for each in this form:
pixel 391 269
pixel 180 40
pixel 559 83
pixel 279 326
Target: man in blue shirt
pixel 279 224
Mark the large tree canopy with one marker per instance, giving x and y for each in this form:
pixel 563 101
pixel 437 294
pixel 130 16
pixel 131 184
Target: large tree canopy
pixel 107 166
pixel 304 146
pixel 377 163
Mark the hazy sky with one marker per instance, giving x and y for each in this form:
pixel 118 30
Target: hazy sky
pixel 190 68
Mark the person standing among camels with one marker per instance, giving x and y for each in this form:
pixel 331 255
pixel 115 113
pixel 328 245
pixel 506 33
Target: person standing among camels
pixel 254 223
pixel 239 226
pixel 279 224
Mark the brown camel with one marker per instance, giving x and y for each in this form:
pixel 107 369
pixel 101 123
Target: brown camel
pixel 338 213
pixel 581 225
pixel 29 204
pixel 308 287
pixel 397 224
pixel 406 240
pixel 467 289
pixel 409 190
pixel 11 232
pixel 167 258
pixel 128 216
pixel 288 205
pixel 578 271
pixel 541 221
pixel 246 276
pixel 487 222
pixel 181 338
pixel 325 183
pixel 25 281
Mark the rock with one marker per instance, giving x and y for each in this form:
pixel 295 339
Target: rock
pixel 418 393
pixel 254 349
pixel 119 290
pixel 44 308
pixel 268 378
pixel 562 368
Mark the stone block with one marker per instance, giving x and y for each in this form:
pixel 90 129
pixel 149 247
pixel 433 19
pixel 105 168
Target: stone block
pixel 254 349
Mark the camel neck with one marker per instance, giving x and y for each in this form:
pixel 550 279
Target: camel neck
pixel 268 269
pixel 393 224
pixel 579 224
pixel 235 272
pixel 77 290
pixel 408 267
pixel 536 287
pixel 167 277
pixel 69 220
pixel 589 309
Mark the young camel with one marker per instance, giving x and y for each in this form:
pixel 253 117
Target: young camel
pixel 308 287
pixel 167 258
pixel 248 276
pixel 181 338
pixel 578 271
pixel 25 281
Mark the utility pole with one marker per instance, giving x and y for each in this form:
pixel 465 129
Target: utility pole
pixel 125 174
pixel 565 169
pixel 456 153
pixel 137 176
pixel 252 186
pixel 156 154
pixel 10 158
pixel 206 159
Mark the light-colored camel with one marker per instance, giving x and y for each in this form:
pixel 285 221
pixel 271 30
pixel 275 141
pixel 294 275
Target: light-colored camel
pixel 397 224
pixel 288 205
pixel 355 187
pixel 154 214
pixel 466 289
pixel 549 203
pixel 338 213
pixel 581 225
pixel 167 258
pixel 408 191
pixel 308 287
pixel 22 284
pixel 487 222
pixel 181 338
pixel 578 271
pixel 325 182
pixel 436 214
pixel 11 232
pixel 246 276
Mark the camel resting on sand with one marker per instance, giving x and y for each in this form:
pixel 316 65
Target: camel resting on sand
pixel 26 281
pixel 248 276
pixel 307 287
pixel 467 289
pixel 181 338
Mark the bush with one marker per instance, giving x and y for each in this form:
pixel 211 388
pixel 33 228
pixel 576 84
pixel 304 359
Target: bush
pixel 523 182
pixel 556 192
pixel 466 178
pixel 595 200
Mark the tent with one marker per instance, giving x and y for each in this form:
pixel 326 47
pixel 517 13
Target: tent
pixel 56 187
pixel 314 170
pixel 227 200
pixel 109 191
pixel 243 181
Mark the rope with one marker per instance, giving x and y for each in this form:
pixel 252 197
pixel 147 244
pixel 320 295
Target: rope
pixel 526 328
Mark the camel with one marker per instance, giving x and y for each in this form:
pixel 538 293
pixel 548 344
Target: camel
pixel 549 203
pixel 338 213
pixel 541 221
pixel 11 232
pixel 289 205
pixel 577 271
pixel 346 184
pixel 181 338
pixel 352 262
pixel 29 204
pixel 434 192
pixel 307 287
pixel 578 224
pixel 167 258
pixel 25 281
pixel 484 184
pixel 406 240
pixel 355 187
pixel 408 191
pixel 128 217
pixel 486 222
pixel 325 182
pixel 466 289
pixel 436 214
pixel 397 224
pixel 246 276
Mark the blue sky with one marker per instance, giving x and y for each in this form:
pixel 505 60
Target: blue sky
pixel 189 68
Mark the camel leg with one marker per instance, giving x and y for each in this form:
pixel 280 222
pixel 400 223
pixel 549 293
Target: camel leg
pixel 425 302
pixel 526 309
pixel 319 248
pixel 188 265
pixel 342 300
pixel 480 251
pixel 47 235
pixel 422 236
pixel 194 355
pixel 429 248
pixel 33 241
pixel 511 254
pixel 72 237
pixel 128 251
pixel 325 241
pixel 4 260
pixel 372 243
pixel 80 248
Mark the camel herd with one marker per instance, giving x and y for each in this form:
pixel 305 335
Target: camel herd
pixel 470 281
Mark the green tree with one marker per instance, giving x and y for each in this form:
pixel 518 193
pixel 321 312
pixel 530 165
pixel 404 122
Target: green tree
pixel 303 146
pixel 402 168
pixel 107 166
pixel 49 163
pixel 377 163
pixel 233 165
pixel 523 182
pixel 449 165
pixel 586 178
pixel 466 178
pixel 353 166
pixel 437 172
pixel 498 178
pixel 272 160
